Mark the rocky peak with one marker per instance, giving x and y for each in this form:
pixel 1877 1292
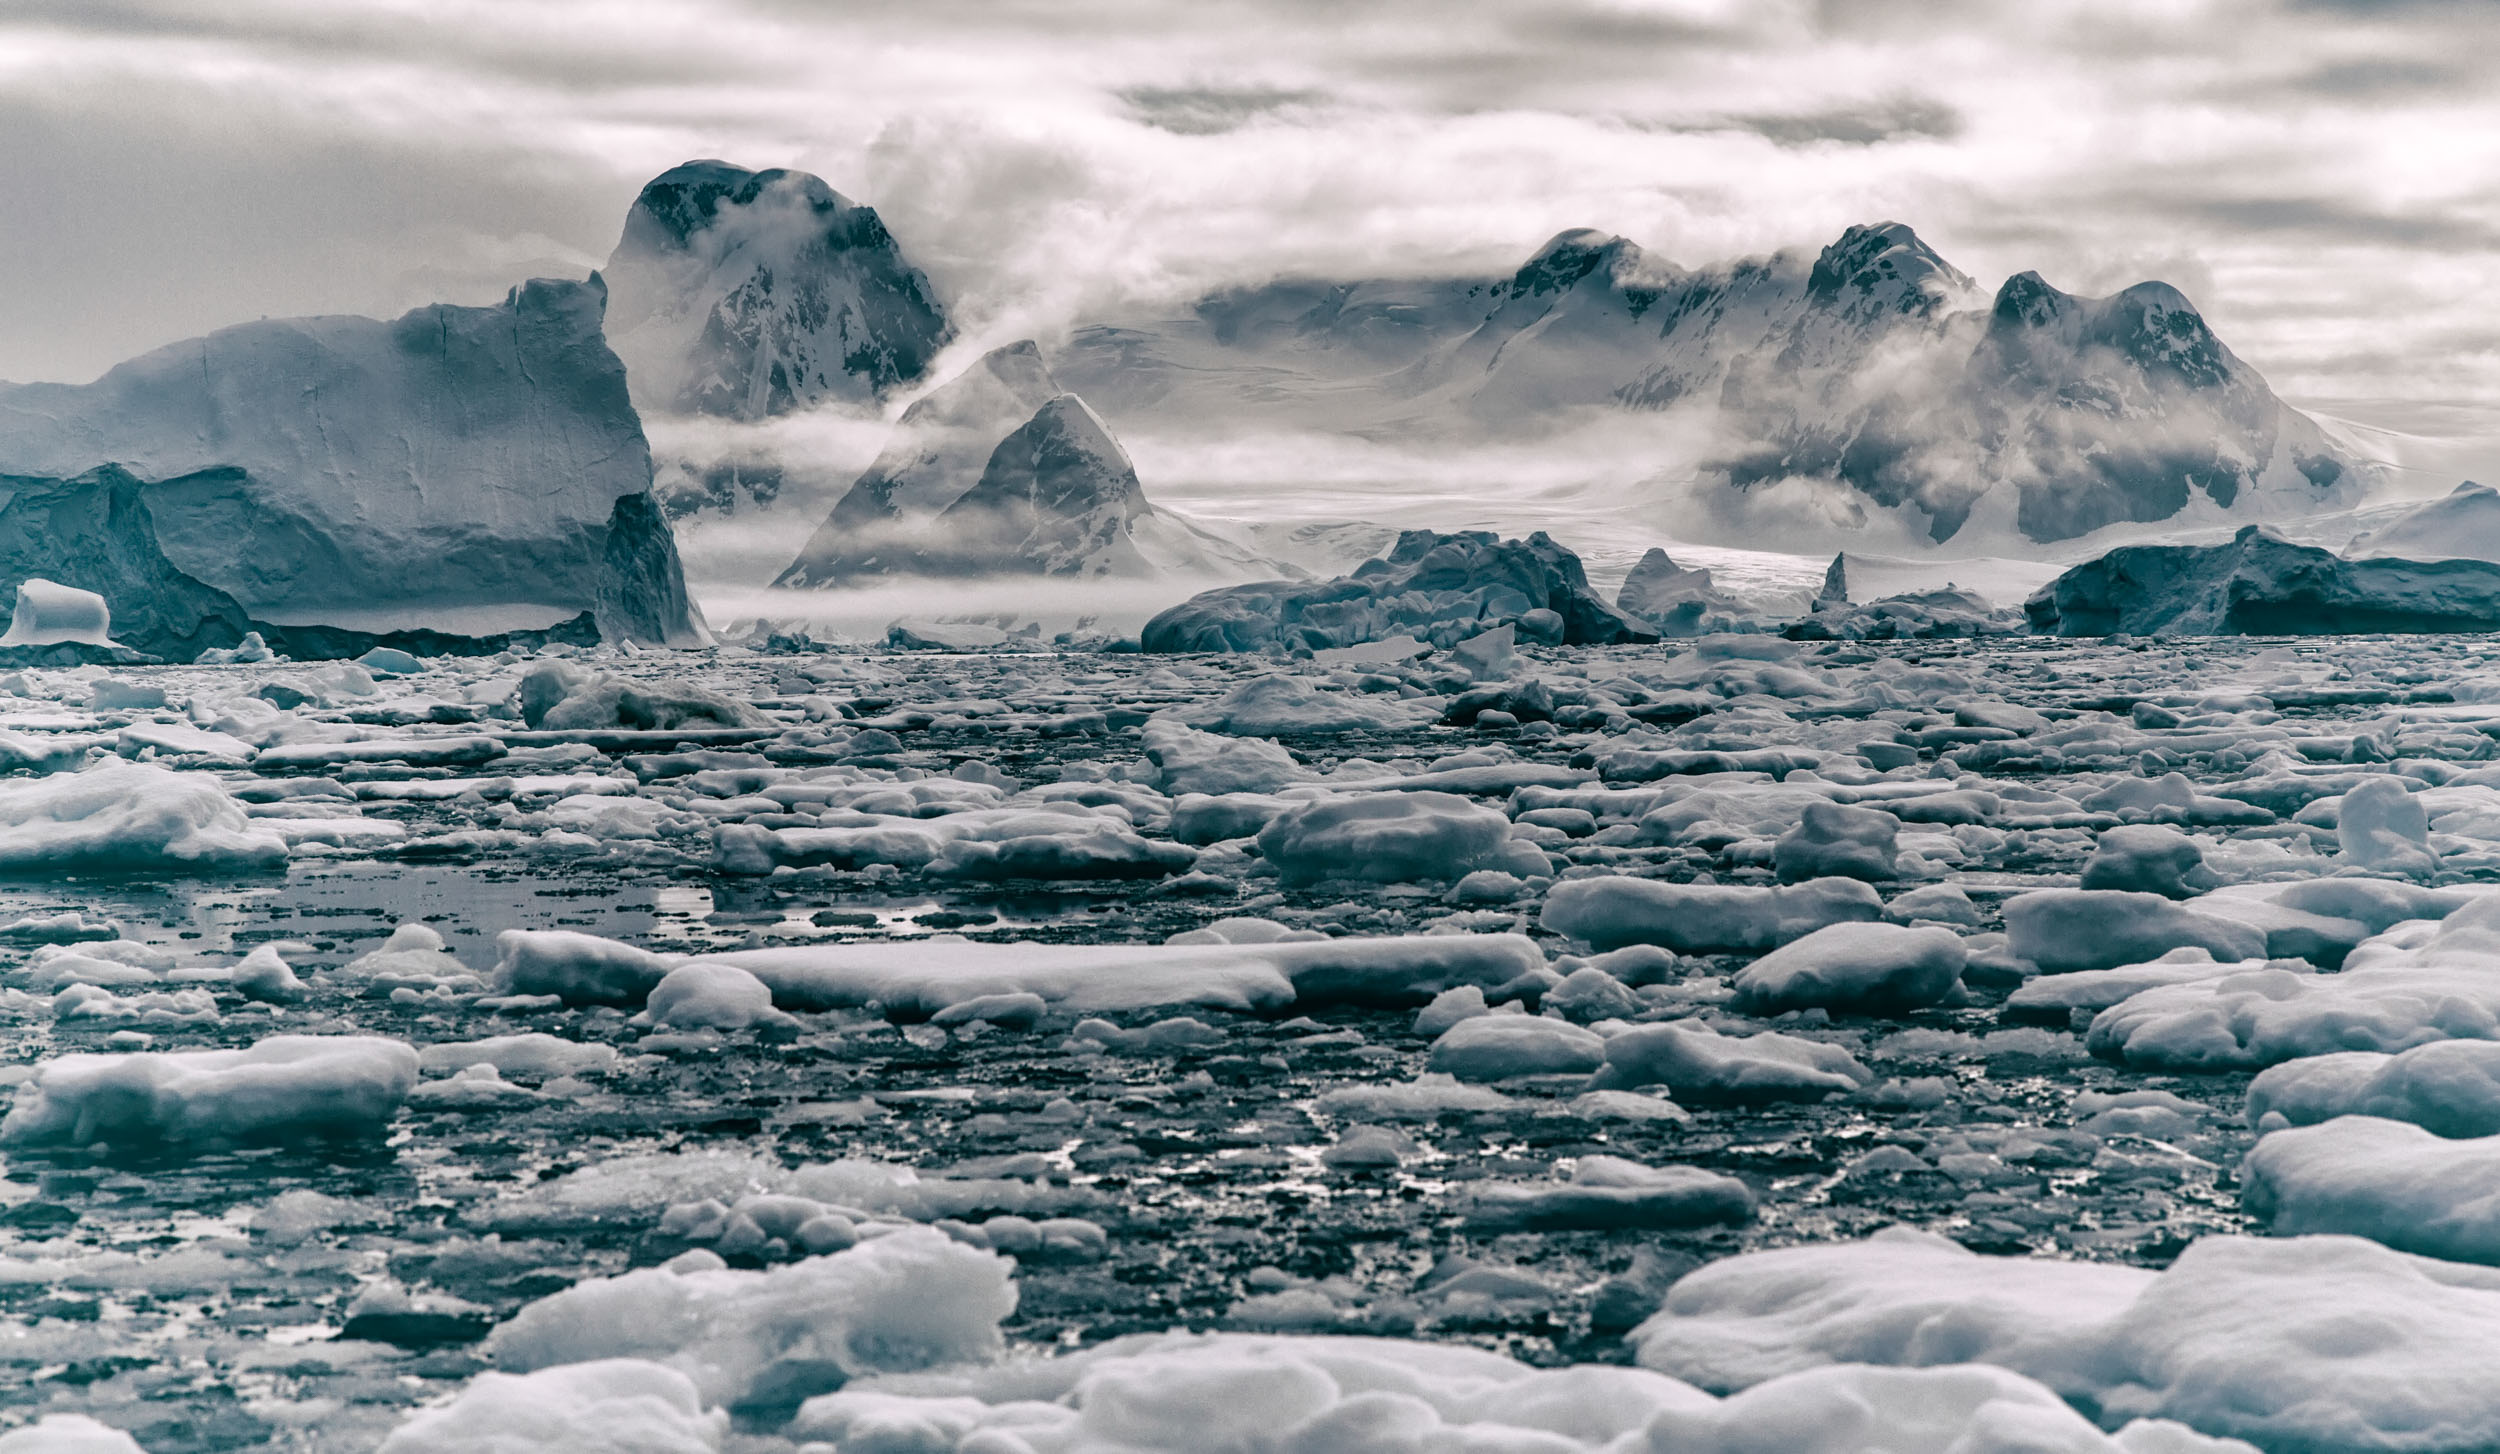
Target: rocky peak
pixel 746 294
pixel 1885 263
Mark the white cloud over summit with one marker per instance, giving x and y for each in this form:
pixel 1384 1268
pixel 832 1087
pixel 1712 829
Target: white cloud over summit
pixel 2318 176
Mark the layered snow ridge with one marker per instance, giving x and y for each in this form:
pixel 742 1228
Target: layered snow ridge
pixel 747 294
pixel 453 473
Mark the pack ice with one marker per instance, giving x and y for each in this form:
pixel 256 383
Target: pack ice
pixel 1730 1042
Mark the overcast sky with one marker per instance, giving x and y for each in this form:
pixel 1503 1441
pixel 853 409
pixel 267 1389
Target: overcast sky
pixel 2322 178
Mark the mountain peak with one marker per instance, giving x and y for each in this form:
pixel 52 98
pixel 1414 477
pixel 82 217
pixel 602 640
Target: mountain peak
pixel 688 197
pixel 1887 260
pixel 749 293
pixel 1572 255
pixel 2027 301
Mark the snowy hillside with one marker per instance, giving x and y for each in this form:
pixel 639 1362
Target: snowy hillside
pixel 1873 368
pixel 744 294
pixel 1000 472
pixel 466 470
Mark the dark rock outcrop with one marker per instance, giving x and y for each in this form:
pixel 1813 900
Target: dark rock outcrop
pixel 2263 585
pixel 1440 588
pixel 747 294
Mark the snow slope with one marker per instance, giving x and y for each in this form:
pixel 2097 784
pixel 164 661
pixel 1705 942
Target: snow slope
pixel 471 470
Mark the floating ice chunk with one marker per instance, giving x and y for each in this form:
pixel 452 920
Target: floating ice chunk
pixel 286 1089
pixel 1611 912
pixel 610 1406
pixel 533 1054
pixel 711 996
pixel 2069 929
pixel 181 739
pixel 908 1300
pixel 1189 761
pixel 1203 818
pixel 1369 1147
pixel 1094 851
pixel 1163 1037
pixel 1245 929
pixel 2381 826
pixel 1618 1105
pixel 1420 1099
pixel 2417 984
pixel 127 817
pixel 1835 839
pixel 116 962
pixel 2310 1345
pixel 263 975
pixel 71 926
pixel 413 957
pixel 1609 1193
pixel 476 1088
pixel 2054 997
pixel 2147 858
pixel 625 1190
pixel 49 613
pixel 1698 1063
pixel 1590 993
pixel 1855 967
pixel 580 969
pixel 1937 903
pixel 1488 656
pixel 68 1433
pixel 390 661
pixel 2389 1181
pixel 1234 1392
pixel 914 980
pixel 1281 704
pixel 1497 1047
pixel 1391 838
pixel 2448 1087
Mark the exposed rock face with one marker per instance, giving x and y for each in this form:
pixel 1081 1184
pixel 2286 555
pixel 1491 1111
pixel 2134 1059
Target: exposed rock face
pixel 467 472
pixel 748 294
pixel 1058 496
pixel 1439 588
pixel 998 472
pixel 1873 364
pixel 2261 584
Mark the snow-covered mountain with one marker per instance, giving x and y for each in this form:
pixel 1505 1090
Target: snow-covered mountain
pixel 999 471
pixel 745 294
pixel 2463 524
pixel 1873 365
pixel 471 471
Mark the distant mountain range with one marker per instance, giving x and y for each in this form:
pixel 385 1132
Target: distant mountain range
pixel 1874 365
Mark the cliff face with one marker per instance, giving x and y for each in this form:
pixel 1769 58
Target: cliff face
pixel 746 294
pixel 461 471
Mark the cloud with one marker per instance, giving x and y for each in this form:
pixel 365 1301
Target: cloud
pixel 1210 110
pixel 2317 170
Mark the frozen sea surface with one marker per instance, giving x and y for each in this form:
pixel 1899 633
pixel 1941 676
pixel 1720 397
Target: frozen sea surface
pixel 1293 1158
